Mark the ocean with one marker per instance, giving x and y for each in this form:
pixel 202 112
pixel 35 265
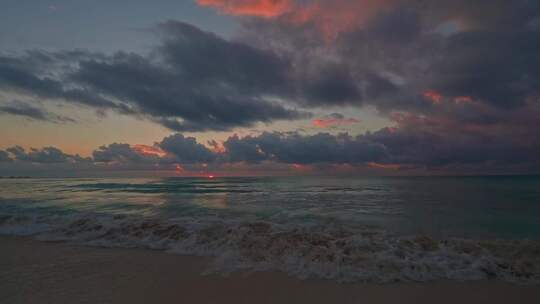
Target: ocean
pixel 374 229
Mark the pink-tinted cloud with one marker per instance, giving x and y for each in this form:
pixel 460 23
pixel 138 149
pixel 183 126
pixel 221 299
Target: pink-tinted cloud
pixel 334 122
pixel 258 8
pixel 433 96
pixel 334 17
pixel 217 147
pixel 329 17
pixel 437 98
pixel 149 150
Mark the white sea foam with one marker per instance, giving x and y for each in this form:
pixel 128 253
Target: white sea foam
pixel 327 252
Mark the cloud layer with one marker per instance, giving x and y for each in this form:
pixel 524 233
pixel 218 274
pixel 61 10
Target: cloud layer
pixel 415 145
pixel 193 81
pixel 460 80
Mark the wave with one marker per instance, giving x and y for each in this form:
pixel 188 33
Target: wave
pixel 328 252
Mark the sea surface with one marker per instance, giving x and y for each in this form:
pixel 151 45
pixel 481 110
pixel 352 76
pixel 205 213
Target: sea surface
pixel 375 229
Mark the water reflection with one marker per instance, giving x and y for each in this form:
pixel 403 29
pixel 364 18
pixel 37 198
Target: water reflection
pixel 440 206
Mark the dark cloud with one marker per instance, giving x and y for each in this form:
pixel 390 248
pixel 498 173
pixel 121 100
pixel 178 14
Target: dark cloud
pixel 502 69
pixel 18 108
pixel 398 27
pixel 204 57
pixel 122 153
pixel 387 55
pixel 294 148
pixel 467 94
pixel 200 82
pixel 47 155
pixel 437 142
pixel 244 150
pixel 4 156
pixel 193 81
pixel 415 143
pixel 396 52
pixel 24 110
pixel 331 85
pixel 30 75
pixel 186 149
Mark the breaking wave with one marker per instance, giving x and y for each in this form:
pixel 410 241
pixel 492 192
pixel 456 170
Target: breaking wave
pixel 323 251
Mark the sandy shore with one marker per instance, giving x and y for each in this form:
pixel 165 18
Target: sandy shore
pixel 40 272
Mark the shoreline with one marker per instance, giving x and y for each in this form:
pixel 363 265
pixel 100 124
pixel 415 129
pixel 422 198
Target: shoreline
pixel 56 272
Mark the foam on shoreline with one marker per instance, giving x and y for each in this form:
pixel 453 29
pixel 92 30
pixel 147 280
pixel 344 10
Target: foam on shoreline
pixel 329 252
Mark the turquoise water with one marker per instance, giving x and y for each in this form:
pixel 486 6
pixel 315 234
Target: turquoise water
pixel 471 207
pixel 345 229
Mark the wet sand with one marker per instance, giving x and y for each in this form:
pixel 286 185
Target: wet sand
pixel 41 272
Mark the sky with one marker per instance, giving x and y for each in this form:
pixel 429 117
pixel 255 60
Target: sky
pixel 269 87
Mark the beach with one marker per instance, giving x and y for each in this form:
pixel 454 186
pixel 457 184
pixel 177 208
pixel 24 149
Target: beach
pixel 56 272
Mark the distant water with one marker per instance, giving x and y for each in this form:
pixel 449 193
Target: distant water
pixel 336 228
